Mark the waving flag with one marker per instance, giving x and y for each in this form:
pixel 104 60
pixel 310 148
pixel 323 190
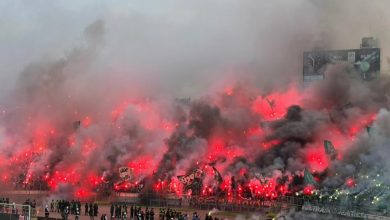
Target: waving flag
pixel 368 128
pixel 329 148
pixel 309 179
pixel 217 175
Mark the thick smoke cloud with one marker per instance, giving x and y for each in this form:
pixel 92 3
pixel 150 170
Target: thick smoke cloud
pixel 240 62
pixel 181 47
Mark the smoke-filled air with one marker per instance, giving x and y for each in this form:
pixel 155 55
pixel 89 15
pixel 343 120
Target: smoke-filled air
pixel 193 97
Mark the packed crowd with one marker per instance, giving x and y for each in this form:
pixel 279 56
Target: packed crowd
pixel 66 208
pixel 118 211
pixel 123 212
pixel 173 214
pixel 170 214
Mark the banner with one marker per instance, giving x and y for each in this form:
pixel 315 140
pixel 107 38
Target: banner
pixel 126 173
pixel 366 61
pixel 189 179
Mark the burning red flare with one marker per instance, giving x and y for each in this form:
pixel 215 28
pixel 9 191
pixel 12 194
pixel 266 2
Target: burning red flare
pixel 350 182
pixel 308 190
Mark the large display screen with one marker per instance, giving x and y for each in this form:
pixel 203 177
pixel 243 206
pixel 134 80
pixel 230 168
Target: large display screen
pixel 365 60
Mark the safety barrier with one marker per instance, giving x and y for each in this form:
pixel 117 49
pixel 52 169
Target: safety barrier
pixel 306 203
pixel 15 211
pixel 303 203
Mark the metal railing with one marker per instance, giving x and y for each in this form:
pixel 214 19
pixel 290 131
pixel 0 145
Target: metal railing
pixel 307 204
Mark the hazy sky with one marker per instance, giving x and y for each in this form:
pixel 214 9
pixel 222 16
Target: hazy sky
pixel 184 47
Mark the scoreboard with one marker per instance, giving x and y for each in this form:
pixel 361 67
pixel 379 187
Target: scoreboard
pixel 366 61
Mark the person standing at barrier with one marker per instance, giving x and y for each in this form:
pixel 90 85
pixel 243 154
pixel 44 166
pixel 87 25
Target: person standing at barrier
pixel 103 217
pixel 6 201
pixel 124 216
pixel 147 213
pixel 90 209
pixel 91 212
pixel 60 208
pixel 86 209
pixel 77 213
pixel 57 206
pixel 137 214
pixel 13 208
pixel 72 207
pixel 52 205
pixel 123 211
pixel 46 211
pixel 25 208
pixel 167 214
pixel 95 209
pixel 62 215
pixel 194 217
pixel 112 210
pixel 65 212
pixel 79 206
pixel 152 214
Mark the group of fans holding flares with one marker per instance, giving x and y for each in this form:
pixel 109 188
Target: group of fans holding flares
pixel 238 142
